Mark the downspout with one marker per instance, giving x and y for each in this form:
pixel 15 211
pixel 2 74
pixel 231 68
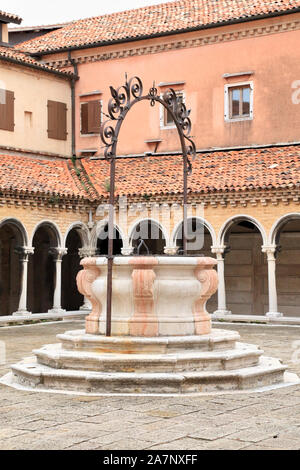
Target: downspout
pixel 74 79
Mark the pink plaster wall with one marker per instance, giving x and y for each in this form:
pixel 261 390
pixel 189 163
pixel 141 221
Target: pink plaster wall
pixel 274 59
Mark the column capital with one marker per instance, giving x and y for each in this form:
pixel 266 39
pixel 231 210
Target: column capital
pixel 24 252
pixel 58 253
pixel 170 250
pixel 127 251
pixel 270 251
pixel 218 250
pixel 87 252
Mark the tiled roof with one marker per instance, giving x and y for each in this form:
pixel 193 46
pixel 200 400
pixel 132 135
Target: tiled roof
pixel 40 176
pixel 238 170
pixel 10 54
pixel 10 17
pixel 155 20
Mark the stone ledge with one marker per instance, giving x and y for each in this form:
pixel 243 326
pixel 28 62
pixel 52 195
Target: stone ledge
pixel 37 317
pixel 255 319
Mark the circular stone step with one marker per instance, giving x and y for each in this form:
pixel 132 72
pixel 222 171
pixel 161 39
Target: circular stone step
pixel 216 340
pixel 269 371
pixel 243 355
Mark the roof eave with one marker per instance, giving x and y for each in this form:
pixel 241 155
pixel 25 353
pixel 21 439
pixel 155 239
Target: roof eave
pixel 68 76
pixel 169 33
pixel 10 19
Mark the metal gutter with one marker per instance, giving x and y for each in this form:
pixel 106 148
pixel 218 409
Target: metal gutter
pixel 176 153
pixel 75 77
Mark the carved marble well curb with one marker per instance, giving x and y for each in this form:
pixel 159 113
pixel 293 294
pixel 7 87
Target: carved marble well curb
pixel 152 296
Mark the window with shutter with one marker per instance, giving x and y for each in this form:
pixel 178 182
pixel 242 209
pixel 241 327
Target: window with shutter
pixel 90 117
pixel 7 110
pixel 57 120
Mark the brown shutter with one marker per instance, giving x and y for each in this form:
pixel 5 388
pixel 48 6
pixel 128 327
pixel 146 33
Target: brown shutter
pixel 7 111
pixel 51 119
pixel 84 118
pixel 57 120
pixel 94 116
pixel 62 121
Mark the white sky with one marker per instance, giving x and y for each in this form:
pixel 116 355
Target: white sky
pixel 39 12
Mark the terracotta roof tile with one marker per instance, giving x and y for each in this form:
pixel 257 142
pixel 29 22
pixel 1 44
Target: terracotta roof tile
pixel 10 54
pixel 10 17
pixel 153 20
pixel 34 175
pixel 238 170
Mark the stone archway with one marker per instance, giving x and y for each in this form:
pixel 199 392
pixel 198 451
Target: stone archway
pixel 102 241
pixel 12 240
pixel 42 276
pixel 71 298
pixel 287 239
pixel 147 236
pixel 246 273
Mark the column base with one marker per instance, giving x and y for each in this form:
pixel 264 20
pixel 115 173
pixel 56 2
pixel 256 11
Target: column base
pixel 221 313
pixel 58 311
pixel 274 314
pixel 20 313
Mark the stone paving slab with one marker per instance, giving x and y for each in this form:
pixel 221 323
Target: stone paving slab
pixel 252 421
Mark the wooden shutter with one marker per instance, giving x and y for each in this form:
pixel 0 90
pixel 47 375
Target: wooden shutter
pixel 90 117
pixel 7 111
pixel 94 116
pixel 57 120
pixel 84 118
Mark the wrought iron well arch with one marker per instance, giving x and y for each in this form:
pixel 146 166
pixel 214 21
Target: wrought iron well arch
pixel 121 101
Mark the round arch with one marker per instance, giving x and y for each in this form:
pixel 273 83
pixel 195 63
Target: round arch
pixel 204 222
pixel 225 229
pixel 16 223
pixel 83 233
pixel 13 237
pixel 279 224
pixel 99 227
pixel 53 227
pixel 151 220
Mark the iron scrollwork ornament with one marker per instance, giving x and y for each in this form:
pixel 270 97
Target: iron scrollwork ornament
pixel 124 97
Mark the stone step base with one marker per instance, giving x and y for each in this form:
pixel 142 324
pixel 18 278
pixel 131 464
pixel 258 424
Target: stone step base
pixel 217 340
pixel 268 372
pixel 244 355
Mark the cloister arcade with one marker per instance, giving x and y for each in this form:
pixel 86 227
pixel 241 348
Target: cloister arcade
pixel 259 272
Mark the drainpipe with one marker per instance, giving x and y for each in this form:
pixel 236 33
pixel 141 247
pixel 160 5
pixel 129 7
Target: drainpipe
pixel 72 61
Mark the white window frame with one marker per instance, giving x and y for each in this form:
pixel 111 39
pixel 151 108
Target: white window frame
pixel 101 118
pixel 163 126
pixel 227 103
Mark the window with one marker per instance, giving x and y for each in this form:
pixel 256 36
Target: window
pixel 90 117
pixel 57 120
pixel 166 117
pixel 238 102
pixel 7 110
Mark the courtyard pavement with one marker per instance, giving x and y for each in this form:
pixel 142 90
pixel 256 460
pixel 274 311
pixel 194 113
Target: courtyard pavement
pixel 268 420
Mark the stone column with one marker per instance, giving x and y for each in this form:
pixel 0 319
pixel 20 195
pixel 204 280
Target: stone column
pixel 86 253
pixel 24 252
pixel 58 253
pixel 270 250
pixel 222 308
